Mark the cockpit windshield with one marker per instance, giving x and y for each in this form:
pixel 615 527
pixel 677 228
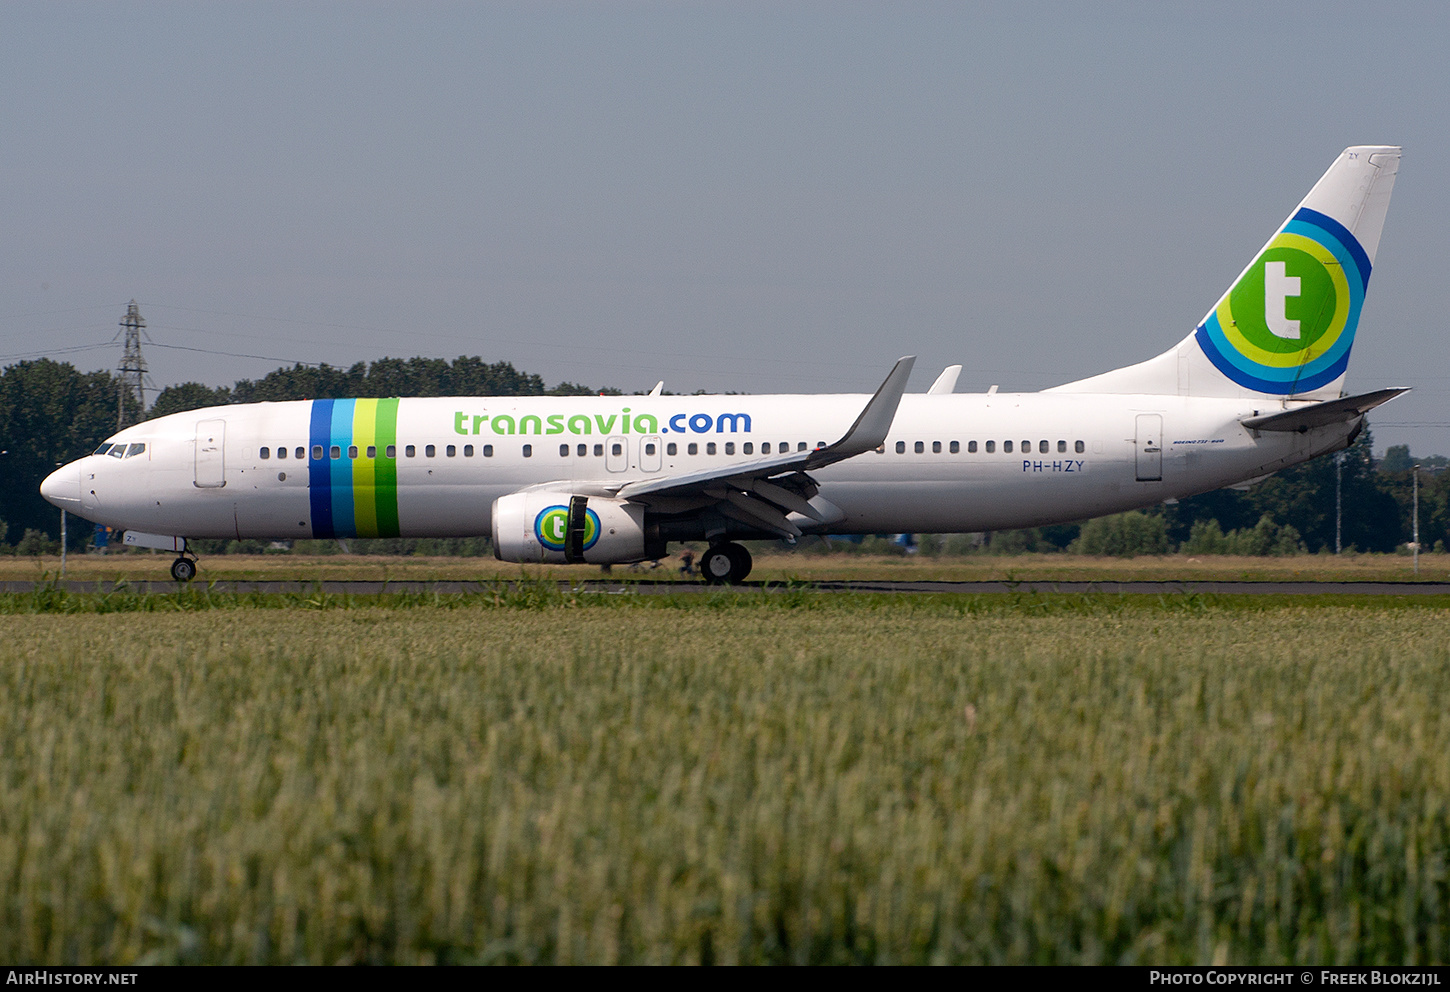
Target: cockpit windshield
pixel 122 450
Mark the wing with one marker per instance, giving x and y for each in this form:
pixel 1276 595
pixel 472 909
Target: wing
pixel 761 492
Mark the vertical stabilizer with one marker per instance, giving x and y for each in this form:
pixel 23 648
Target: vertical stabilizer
pixel 1286 325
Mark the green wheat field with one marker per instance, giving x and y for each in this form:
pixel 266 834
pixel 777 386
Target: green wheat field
pixel 544 776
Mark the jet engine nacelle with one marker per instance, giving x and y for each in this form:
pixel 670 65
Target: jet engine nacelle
pixel 566 528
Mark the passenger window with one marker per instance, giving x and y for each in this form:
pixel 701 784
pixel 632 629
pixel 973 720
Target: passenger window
pixel 300 454
pixel 901 447
pixel 956 447
pixel 1078 447
pixel 372 451
pixel 920 446
pixel 135 449
pixel 747 448
pixel 936 447
pixel 430 451
pixel 102 449
pixel 1062 447
pixel 616 449
pixel 971 447
pixel 392 451
pixel 1042 447
pixel 488 451
pixel 801 446
pixel 672 448
pixel 649 449
pixel 528 451
pixel 784 447
pixel 468 451
pixel 411 451
pixel 1026 447
pixel 352 451
pixel 709 447
pixel 729 447
pixel 281 452
pixel 336 452
pixel 563 451
pixel 765 447
pixel 1006 446
pixel 451 451
pixel 992 447
pixel 582 450
pixel 599 451
pixel 317 452
pixel 693 449
pixel 265 453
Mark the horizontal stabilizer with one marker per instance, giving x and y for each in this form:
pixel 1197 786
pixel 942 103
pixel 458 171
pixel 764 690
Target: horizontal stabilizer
pixel 1305 418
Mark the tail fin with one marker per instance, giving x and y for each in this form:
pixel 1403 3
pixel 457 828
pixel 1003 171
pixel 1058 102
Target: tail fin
pixel 1286 325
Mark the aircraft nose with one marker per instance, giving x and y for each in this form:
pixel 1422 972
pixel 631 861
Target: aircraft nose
pixel 63 487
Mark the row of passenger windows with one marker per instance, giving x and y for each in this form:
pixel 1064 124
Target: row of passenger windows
pixel 1043 447
pixel 582 450
pixel 617 449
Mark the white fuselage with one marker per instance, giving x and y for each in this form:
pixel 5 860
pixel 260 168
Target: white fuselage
pixel 951 463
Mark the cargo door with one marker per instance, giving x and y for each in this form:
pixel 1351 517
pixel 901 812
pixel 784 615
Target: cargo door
pixel 1150 447
pixel 211 438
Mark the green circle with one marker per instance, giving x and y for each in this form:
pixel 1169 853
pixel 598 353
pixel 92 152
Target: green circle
pixel 546 527
pixel 1313 307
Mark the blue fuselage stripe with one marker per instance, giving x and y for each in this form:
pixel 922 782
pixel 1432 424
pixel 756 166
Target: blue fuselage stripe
pixel 343 524
pixel 319 479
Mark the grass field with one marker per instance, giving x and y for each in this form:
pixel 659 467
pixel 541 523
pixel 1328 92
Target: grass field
pixel 731 777
pixel 768 567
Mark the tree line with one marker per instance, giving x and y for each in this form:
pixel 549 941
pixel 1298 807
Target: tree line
pixel 51 413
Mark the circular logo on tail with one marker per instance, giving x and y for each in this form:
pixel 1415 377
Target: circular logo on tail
pixel 1288 323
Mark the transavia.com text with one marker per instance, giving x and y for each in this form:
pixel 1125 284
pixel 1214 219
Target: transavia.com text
pixel 1212 977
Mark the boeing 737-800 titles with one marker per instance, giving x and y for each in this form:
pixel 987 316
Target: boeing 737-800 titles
pixel 1257 386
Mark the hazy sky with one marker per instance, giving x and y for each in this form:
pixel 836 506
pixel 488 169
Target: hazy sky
pixel 730 196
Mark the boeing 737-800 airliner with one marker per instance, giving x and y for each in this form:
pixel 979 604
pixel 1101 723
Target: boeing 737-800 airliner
pixel 1257 386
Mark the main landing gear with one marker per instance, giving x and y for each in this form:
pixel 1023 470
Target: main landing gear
pixel 183 569
pixel 725 564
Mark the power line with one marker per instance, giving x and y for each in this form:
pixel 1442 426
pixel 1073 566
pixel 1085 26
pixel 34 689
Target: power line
pixel 235 354
pixel 46 353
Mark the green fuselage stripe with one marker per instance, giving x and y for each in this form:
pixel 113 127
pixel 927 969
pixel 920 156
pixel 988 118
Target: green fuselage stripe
pixel 385 478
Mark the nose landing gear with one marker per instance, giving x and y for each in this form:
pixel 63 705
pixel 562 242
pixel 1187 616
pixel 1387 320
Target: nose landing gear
pixel 183 569
pixel 725 564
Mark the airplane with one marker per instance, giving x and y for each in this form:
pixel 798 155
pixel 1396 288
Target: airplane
pixel 1256 386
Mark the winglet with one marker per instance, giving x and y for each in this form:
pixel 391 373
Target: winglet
pixel 871 427
pixel 946 382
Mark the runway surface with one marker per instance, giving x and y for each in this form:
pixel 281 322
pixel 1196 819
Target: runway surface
pixel 657 587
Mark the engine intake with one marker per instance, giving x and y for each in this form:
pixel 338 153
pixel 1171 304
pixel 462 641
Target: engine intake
pixel 568 528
